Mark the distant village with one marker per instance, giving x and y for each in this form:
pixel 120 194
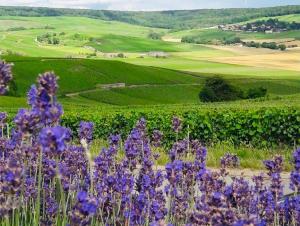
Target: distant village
pixel 267 26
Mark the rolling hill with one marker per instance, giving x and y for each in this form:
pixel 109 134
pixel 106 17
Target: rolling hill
pixel 182 19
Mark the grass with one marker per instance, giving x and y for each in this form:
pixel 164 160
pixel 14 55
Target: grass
pixel 114 36
pixel 250 157
pixel 117 43
pixel 216 34
pixel 174 80
pixel 151 95
pixel 82 74
pixel 24 42
pixel 211 67
pixel 204 34
pixel 144 85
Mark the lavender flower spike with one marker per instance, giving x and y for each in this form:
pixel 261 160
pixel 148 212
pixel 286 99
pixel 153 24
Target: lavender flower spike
pixel 5 76
pixel 86 131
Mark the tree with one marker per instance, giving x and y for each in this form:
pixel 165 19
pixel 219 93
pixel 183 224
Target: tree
pixel 55 41
pixel 217 89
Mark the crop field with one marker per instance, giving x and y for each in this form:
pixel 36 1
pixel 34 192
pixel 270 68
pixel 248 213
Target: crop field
pixel 89 67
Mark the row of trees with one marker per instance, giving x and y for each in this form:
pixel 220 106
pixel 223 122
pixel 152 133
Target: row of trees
pixel 184 19
pixel 233 40
pixel 216 40
pixel 267 45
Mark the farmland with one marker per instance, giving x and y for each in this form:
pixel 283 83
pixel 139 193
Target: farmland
pixel 112 118
pixel 94 53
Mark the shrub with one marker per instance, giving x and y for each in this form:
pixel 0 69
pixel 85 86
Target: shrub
pixel 282 47
pixel 121 55
pixel 218 89
pixel 155 36
pixel 256 93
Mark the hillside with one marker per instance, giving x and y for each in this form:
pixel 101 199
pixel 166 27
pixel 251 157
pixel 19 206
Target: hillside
pixel 182 19
pixel 143 85
pixel 78 37
pixel 85 74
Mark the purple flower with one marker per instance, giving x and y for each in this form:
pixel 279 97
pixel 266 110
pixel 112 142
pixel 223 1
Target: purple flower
pixel 85 208
pixel 48 82
pixel 230 160
pixel 176 124
pixel 32 96
pixel 86 131
pixel 275 168
pixel 53 139
pixel 157 138
pixel 3 117
pixel 27 121
pixel 295 174
pixel 114 139
pixel 5 76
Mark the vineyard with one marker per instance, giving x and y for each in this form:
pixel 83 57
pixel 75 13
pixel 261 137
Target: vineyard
pixel 257 127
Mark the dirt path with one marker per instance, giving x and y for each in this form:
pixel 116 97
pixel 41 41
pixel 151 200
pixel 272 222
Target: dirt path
pixel 249 173
pixel 118 86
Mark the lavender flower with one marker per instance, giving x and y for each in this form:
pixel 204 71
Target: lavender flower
pixel 85 208
pixel 295 174
pixel 230 160
pixel 275 168
pixel 48 82
pixel 53 140
pixel 176 124
pixel 5 76
pixel 3 117
pixel 157 138
pixel 86 131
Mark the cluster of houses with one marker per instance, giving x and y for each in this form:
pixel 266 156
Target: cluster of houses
pixel 251 28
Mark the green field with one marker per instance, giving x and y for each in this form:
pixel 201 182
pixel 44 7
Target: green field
pixel 148 95
pixel 77 31
pixel 85 74
pixel 216 34
pixel 83 62
pixel 144 85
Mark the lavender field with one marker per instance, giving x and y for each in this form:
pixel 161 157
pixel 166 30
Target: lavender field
pixel 50 177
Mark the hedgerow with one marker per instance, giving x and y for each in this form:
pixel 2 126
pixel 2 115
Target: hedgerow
pixel 264 127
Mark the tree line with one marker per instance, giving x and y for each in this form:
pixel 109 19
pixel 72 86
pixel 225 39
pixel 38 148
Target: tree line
pixel 176 20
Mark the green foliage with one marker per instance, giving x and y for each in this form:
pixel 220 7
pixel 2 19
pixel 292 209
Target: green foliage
pixel 49 38
pixel 267 45
pixel 272 24
pixel 217 89
pixel 256 93
pixel 264 127
pixel 212 37
pixel 16 29
pixel 183 19
pixel 282 47
pixel 155 35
